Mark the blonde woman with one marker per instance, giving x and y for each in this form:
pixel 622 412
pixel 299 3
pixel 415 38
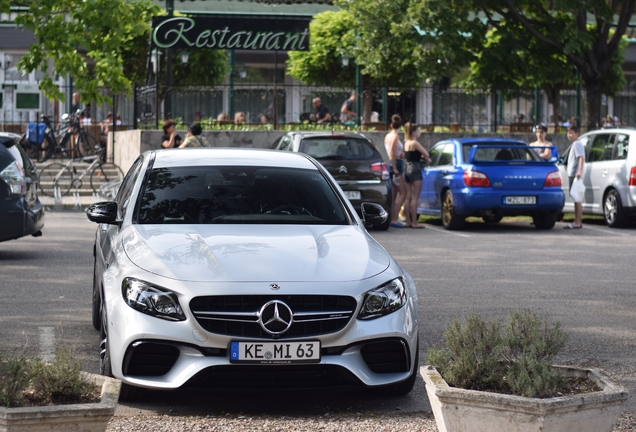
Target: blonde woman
pixel 394 149
pixel 414 153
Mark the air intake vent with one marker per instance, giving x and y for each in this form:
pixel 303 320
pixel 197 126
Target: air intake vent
pixel 386 356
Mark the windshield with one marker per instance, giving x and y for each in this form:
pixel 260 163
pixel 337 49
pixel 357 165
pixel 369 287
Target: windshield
pixel 339 148
pixel 239 195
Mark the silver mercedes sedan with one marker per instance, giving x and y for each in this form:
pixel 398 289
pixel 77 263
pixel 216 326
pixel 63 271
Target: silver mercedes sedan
pixel 247 268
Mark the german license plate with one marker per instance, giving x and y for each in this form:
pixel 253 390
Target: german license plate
pixel 275 352
pixel 352 195
pixel 520 200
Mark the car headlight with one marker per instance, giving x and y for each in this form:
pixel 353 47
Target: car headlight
pixel 152 300
pixel 383 300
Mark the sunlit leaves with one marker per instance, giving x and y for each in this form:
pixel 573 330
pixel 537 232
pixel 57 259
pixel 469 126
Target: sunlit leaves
pixel 88 40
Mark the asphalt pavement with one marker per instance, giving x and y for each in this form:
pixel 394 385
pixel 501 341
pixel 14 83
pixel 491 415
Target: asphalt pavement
pixel 582 278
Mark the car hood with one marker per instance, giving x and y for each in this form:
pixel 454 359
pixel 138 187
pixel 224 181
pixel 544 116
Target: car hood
pixel 254 253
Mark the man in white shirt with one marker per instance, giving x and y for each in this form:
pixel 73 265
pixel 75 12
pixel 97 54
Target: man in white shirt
pixel 576 160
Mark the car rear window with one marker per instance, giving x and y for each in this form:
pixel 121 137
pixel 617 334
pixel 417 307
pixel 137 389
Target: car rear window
pixel 498 151
pixel 239 195
pixel 339 148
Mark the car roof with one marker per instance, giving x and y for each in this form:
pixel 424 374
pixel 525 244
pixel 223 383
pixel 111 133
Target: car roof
pixel 489 140
pixel 612 129
pixel 230 157
pixel 318 134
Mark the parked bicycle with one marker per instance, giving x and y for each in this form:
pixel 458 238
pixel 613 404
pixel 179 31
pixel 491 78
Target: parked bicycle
pixel 66 176
pixel 42 145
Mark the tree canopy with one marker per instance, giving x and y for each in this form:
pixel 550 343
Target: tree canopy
pixel 586 35
pixel 96 42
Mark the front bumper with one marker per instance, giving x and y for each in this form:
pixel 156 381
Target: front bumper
pixel 149 352
pixel 472 201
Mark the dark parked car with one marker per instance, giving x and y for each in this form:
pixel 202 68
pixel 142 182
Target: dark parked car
pixel 21 212
pixel 353 161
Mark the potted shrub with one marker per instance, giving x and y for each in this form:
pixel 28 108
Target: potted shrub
pixel 494 377
pixel 38 396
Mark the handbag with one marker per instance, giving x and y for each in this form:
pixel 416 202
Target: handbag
pixel 577 190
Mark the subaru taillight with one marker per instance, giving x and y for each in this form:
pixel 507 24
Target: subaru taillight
pixel 382 168
pixel 632 176
pixel 476 179
pixel 553 179
pixel 13 176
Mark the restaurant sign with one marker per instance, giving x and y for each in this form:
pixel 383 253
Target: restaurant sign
pixel 232 32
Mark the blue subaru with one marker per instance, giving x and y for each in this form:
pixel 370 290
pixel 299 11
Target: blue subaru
pixel 490 178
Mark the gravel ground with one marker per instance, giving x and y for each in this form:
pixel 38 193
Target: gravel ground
pixel 358 422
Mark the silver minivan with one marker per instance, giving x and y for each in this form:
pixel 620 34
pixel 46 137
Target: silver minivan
pixel 609 175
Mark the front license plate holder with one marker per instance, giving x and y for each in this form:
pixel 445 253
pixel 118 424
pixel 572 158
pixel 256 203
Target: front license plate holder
pixel 353 195
pixel 520 200
pixel 274 352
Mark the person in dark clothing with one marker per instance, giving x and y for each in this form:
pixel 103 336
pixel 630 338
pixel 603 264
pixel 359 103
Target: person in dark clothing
pixel 170 139
pixel 322 113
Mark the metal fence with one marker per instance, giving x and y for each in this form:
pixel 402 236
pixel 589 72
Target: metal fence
pixel 436 109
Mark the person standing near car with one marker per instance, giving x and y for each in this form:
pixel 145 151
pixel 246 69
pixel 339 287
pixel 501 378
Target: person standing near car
pixel 576 160
pixel 541 141
pixel 170 139
pixel 194 138
pixel 347 111
pixel 394 149
pixel 414 152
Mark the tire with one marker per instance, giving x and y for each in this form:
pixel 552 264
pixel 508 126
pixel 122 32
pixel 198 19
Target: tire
pixel 127 391
pixel 450 219
pixel 86 144
pixel 545 221
pixel 105 173
pixel 48 175
pixel 615 216
pixel 97 300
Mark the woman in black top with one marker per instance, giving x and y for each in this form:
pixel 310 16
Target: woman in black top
pixel 414 152
pixel 170 139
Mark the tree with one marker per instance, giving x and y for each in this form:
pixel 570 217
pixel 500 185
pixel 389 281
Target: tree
pixel 587 33
pixel 89 40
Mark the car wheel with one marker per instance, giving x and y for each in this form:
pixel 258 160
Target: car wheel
pixel 127 391
pixel 450 219
pixel 545 221
pixel 97 300
pixel 613 210
pixel 104 352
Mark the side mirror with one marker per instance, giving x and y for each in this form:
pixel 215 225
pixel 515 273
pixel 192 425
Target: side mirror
pixel 103 212
pixel 373 214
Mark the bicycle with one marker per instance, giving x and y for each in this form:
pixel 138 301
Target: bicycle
pixel 65 176
pixel 48 147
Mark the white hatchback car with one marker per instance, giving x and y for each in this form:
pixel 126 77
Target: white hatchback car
pixel 236 267
pixel 609 175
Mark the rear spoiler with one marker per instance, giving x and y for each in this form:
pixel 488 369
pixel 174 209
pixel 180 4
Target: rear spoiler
pixel 506 147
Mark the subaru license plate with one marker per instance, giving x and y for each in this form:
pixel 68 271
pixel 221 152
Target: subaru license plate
pixel 352 195
pixel 275 352
pixel 520 200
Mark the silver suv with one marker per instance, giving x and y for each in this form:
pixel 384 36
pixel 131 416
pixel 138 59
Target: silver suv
pixel 609 175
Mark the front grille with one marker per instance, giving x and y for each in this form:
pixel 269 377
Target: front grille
pixel 150 359
pixel 276 377
pixel 237 315
pixel 386 356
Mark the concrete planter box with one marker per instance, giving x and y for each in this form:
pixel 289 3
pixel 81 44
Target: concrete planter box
pixel 90 417
pixel 462 410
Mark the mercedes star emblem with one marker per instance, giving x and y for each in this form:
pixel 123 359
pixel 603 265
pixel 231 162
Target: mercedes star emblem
pixel 274 286
pixel 275 317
